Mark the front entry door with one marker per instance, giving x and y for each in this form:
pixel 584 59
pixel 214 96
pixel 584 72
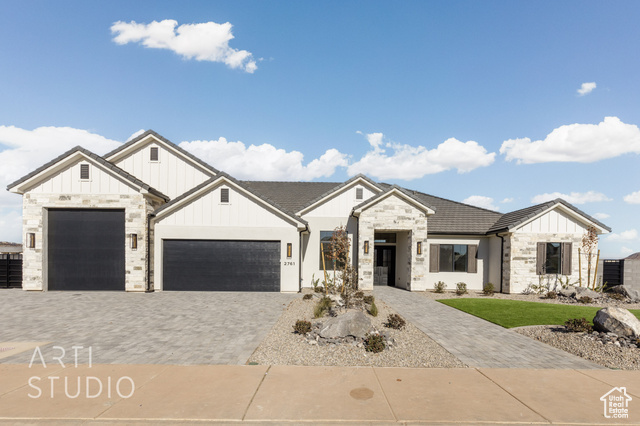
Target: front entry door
pixel 384 267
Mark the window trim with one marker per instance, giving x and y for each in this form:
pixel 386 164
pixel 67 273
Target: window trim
pixel 565 264
pixel 470 265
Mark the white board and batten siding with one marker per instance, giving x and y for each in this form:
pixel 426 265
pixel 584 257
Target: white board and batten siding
pixel 341 204
pixel 67 181
pixel 242 218
pixel 553 222
pixel 171 174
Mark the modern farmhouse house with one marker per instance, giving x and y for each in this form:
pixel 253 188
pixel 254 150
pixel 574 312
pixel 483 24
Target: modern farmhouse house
pixel 150 217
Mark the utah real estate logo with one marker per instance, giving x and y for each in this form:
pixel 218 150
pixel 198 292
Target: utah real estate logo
pixel 616 403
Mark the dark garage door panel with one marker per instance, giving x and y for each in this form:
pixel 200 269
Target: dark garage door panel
pixel 221 265
pixel 86 249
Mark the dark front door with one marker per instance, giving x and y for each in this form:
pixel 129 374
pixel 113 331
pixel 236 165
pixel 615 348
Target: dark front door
pixel 384 267
pixel 217 265
pixel 85 249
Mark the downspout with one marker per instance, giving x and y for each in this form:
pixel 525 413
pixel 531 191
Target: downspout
pixel 149 260
pixel 501 260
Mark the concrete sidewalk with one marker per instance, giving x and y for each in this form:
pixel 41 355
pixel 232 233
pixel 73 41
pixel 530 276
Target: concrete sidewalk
pixel 286 394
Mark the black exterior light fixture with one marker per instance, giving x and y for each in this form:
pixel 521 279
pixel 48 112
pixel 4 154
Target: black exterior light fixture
pixel 366 247
pixel 31 240
pixel 133 240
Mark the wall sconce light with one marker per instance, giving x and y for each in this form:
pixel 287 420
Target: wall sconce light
pixel 31 240
pixel 366 247
pixel 419 247
pixel 289 249
pixel 133 238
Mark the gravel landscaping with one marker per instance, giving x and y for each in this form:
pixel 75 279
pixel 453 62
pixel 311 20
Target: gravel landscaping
pixel 585 345
pixel 412 347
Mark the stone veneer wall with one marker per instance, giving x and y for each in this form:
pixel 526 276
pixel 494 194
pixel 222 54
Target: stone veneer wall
pixel 631 273
pixel 393 214
pixel 136 209
pixel 520 259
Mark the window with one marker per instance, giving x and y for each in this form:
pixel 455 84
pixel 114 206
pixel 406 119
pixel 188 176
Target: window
pixel 453 258
pixel 84 171
pixel 359 193
pixel 388 237
pixel 154 155
pixel 325 250
pixel 553 258
pixel 224 195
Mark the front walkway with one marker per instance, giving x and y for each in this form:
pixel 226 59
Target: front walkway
pixel 476 342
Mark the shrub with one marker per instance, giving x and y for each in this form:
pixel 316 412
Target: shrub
pixel 319 289
pixel 616 296
pixel 368 299
pixel 461 288
pixel 439 287
pixel 577 325
pixel 395 321
pixel 585 299
pixel 373 309
pixel 488 289
pixel 358 295
pixel 307 297
pixel 551 295
pixel 302 327
pixel 374 343
pixel 322 307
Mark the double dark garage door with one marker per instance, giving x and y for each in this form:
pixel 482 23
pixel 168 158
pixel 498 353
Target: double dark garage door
pixel 216 265
pixel 86 251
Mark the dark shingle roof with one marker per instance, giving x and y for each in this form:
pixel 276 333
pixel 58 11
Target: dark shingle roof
pixel 117 170
pixel 165 140
pixel 511 220
pixel 243 185
pixel 292 196
pixel 410 194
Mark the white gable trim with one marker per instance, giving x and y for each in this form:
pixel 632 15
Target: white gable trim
pixel 332 194
pixel 394 191
pixel 64 164
pixel 215 184
pixel 571 213
pixel 153 139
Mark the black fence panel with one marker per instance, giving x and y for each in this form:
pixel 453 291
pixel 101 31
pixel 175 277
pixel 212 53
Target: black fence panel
pixel 613 272
pixel 10 270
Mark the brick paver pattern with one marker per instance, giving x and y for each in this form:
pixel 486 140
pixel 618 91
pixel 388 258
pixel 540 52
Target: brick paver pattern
pixel 183 328
pixel 476 342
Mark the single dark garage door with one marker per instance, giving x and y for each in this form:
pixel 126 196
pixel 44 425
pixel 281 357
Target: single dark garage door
pixel 217 265
pixel 86 249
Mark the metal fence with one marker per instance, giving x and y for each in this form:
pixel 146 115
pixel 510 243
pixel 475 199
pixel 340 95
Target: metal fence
pixel 10 270
pixel 613 272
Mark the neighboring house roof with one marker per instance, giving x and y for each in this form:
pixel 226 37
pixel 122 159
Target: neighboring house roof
pixel 115 169
pixel 223 175
pixel 512 220
pixel 394 189
pixel 150 132
pixel 634 256
pixel 7 247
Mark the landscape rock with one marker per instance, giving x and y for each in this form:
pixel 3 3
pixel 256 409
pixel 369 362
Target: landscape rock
pixel 617 320
pixel 627 291
pixel 583 291
pixel 337 299
pixel 567 292
pixel 351 323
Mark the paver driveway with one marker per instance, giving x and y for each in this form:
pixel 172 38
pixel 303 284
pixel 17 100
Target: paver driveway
pixel 138 328
pixel 476 342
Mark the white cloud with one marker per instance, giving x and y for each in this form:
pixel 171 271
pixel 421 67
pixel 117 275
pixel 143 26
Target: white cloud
pixel 601 216
pixel 208 41
pixel 582 143
pixel 586 88
pixel 626 251
pixel 135 134
pixel 633 198
pixel 481 201
pixel 264 162
pixel 573 198
pixel 628 235
pixel 507 200
pixel 412 162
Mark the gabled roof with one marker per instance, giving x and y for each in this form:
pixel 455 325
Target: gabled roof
pixel 395 189
pixel 126 146
pixel 224 176
pixel 512 220
pixel 98 159
pixel 291 196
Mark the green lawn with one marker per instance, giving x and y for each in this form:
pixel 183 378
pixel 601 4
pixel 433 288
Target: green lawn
pixel 514 313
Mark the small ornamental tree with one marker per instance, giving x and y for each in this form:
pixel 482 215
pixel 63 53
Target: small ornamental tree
pixel 589 246
pixel 340 248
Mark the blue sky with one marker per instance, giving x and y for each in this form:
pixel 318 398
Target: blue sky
pixel 475 101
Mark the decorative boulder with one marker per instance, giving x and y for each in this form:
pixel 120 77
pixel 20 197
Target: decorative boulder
pixel 352 323
pixel 583 291
pixel 567 292
pixel 337 299
pixel 617 320
pixel 626 291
